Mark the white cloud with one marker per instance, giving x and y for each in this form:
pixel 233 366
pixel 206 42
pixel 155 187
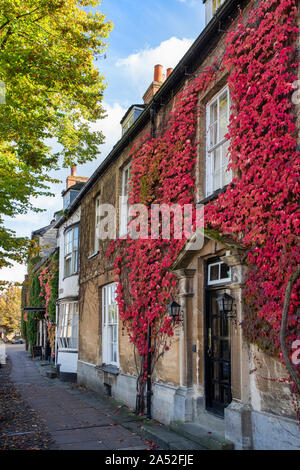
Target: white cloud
pixel 191 3
pixel 110 126
pixel 14 274
pixel 139 66
pixel 111 129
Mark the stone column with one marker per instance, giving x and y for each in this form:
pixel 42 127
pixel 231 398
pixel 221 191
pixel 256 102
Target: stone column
pixel 238 425
pixel 183 405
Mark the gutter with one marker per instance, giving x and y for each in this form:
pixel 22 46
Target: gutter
pixel 192 59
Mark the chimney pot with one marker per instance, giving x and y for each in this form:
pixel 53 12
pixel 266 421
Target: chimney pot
pixel 158 73
pixel 169 71
pixel 73 170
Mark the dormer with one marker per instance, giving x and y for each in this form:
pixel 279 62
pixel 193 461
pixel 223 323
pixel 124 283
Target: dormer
pixel 211 6
pixel 131 116
pixel 74 185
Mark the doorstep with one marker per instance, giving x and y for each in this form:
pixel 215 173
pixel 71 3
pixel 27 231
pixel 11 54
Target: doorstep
pixel 210 439
pixel 184 436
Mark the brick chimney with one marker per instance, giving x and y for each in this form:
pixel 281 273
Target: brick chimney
pixel 158 80
pixel 169 71
pixel 73 179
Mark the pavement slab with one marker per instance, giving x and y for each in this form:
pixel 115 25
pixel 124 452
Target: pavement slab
pixel 76 419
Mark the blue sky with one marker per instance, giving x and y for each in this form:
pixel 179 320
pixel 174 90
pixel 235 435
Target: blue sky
pixel 145 33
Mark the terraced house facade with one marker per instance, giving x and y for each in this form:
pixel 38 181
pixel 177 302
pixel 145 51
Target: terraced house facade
pixel 210 375
pixel 207 375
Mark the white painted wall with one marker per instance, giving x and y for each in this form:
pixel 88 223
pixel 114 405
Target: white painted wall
pixel 2 353
pixel 67 361
pixel 68 288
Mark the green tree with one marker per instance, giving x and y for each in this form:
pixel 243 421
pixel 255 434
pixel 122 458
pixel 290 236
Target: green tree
pixel 10 309
pixel 52 91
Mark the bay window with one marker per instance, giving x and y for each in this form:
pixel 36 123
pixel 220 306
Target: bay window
pixel 71 251
pixel 216 144
pixel 67 328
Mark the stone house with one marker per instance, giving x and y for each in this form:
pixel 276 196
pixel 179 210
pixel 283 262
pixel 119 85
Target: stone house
pixel 192 383
pixel 46 240
pixel 68 239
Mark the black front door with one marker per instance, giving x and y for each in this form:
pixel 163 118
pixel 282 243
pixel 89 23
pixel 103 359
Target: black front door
pixel 218 356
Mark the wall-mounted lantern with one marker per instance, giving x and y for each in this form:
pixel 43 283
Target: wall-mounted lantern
pixel 174 311
pixel 225 306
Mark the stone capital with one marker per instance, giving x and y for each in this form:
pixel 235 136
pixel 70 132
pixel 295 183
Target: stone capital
pixel 185 277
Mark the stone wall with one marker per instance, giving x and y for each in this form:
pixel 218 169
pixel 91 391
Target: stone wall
pixel 261 395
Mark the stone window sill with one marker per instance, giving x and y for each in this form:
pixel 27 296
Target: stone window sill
pixel 93 255
pixel 213 196
pixel 114 370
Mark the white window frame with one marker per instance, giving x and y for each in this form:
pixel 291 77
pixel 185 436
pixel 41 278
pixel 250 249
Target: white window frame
pixel 211 9
pixel 219 280
pixel 97 223
pixel 71 251
pixel 124 206
pixel 68 324
pixel 110 326
pixel 210 173
pixel 129 122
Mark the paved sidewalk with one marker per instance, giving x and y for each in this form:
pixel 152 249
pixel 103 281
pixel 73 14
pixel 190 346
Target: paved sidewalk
pixel 77 419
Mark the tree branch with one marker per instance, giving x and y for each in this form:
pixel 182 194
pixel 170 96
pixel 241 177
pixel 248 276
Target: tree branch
pixel 18 17
pixel 8 33
pixel 293 373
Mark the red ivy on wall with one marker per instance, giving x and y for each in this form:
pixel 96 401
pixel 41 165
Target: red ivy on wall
pixel 259 209
pixel 162 172
pixel 48 279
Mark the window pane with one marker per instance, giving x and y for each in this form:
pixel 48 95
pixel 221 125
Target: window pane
pixel 68 326
pixel 124 209
pixel 223 126
pixel 75 261
pixel 213 134
pixel 214 112
pixel 97 222
pixel 217 160
pixel 76 236
pixel 68 266
pixel 110 325
pixel 217 155
pixel 225 271
pixel 214 272
pixel 223 104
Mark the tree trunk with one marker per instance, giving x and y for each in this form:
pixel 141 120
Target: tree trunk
pixel 293 373
pixel 140 395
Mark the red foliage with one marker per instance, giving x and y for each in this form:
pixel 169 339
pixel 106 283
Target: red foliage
pixel 259 209
pixel 161 172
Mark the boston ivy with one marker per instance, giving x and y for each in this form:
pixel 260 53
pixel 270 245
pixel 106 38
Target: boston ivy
pixel 259 209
